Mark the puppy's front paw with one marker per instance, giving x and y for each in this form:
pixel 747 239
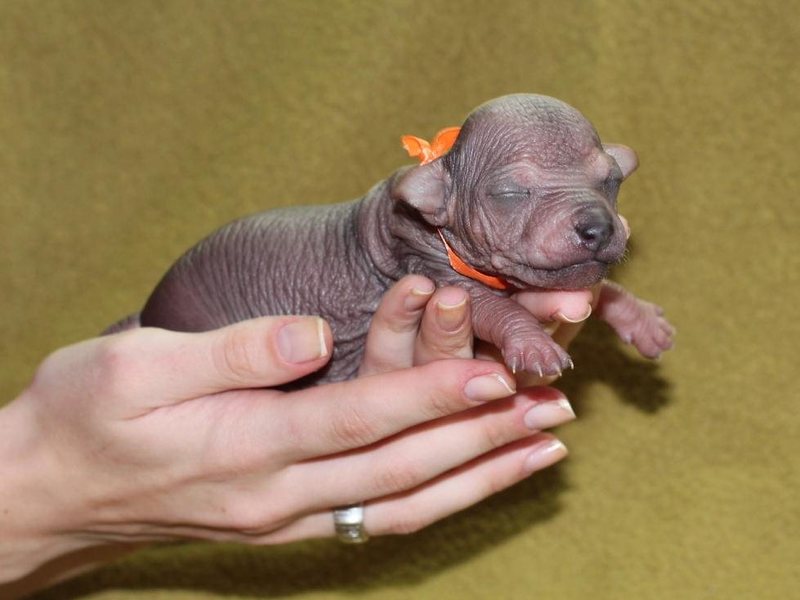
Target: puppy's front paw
pixel 539 355
pixel 650 331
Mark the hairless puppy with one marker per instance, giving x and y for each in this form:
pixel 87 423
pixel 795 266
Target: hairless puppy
pixel 526 198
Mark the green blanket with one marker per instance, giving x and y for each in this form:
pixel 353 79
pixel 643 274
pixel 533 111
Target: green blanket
pixel 130 129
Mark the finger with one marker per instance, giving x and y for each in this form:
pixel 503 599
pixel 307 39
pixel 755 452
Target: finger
pixel 390 341
pixel 556 305
pixel 343 416
pixel 626 226
pixel 163 367
pixel 446 330
pixel 261 352
pixel 452 492
pixel 421 454
pixel 526 379
pixel 463 487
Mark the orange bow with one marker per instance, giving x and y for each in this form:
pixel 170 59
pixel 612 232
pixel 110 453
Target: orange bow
pixel 427 152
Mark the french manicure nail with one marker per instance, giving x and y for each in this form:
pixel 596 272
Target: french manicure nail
pixel 303 340
pixel 488 387
pixel 625 226
pixel 549 414
pixel 559 316
pixel 544 455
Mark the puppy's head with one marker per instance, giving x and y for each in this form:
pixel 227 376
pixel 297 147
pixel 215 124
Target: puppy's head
pixel 528 192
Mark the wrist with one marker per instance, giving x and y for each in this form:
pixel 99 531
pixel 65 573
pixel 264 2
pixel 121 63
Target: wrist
pixel 30 494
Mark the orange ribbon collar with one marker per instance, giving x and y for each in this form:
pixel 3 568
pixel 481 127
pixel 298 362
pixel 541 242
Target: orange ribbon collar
pixel 428 152
pixel 459 266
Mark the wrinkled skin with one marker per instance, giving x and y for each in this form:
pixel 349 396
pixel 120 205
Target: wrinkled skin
pixel 528 192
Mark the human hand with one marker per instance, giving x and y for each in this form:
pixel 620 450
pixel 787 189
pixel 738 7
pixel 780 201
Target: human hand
pixel 153 435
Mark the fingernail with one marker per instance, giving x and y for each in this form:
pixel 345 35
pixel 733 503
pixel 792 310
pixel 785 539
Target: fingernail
pixel 302 341
pixel 418 296
pixel 488 387
pixel 549 414
pixel 451 316
pixel 559 316
pixel 625 226
pixel 544 455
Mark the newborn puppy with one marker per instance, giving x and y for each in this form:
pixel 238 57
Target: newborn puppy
pixel 526 198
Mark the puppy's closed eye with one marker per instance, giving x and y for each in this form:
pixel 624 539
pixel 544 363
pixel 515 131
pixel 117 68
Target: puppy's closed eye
pixel 509 193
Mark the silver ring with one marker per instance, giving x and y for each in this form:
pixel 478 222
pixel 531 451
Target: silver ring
pixel 349 524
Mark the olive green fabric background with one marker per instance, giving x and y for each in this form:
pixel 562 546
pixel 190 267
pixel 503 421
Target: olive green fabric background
pixel 130 129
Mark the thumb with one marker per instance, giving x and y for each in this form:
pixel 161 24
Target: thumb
pixel 262 352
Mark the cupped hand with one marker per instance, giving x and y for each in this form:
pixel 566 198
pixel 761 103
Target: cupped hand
pixel 153 435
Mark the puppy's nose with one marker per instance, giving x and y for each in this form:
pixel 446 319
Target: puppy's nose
pixel 594 228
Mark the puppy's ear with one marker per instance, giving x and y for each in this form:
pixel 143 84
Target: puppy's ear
pixel 425 188
pixel 626 158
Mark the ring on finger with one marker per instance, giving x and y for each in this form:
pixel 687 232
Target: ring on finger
pixel 349 524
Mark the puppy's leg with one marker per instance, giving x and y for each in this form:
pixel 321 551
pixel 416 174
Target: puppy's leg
pixel 525 345
pixel 636 321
